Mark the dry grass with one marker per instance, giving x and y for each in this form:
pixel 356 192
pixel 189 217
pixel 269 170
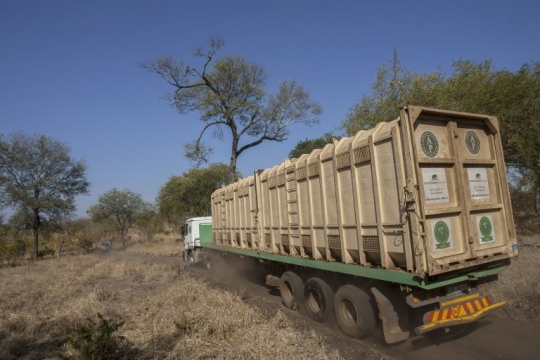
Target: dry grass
pixel 164 244
pixel 160 247
pixel 519 284
pixel 170 314
pixel 167 315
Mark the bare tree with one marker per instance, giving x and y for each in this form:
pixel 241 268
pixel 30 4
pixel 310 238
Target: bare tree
pixel 230 93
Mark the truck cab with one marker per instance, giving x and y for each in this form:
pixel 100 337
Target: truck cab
pixel 191 231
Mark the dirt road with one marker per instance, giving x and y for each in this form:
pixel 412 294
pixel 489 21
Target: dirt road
pixel 495 337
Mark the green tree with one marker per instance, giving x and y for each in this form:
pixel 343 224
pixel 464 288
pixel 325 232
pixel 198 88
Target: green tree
pixel 189 194
pixel 123 207
pixel 514 97
pixel 230 93
pixel 308 145
pixel 86 233
pixel 150 223
pixel 38 175
pixel 517 101
pixel 393 88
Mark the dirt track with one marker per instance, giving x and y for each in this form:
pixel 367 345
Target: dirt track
pixel 496 336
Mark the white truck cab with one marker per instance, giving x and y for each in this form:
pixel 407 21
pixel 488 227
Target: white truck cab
pixel 191 230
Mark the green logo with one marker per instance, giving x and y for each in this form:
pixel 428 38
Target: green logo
pixel 429 143
pixel 472 141
pixel 486 229
pixel 442 234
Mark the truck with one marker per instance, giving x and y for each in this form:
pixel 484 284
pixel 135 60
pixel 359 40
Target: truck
pixel 405 223
pixel 192 230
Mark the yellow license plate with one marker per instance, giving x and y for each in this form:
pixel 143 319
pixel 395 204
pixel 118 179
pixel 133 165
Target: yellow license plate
pixel 457 311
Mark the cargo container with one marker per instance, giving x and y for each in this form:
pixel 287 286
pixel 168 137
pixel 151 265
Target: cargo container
pixel 410 217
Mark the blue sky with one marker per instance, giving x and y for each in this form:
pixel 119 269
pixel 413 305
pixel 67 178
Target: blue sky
pixel 69 69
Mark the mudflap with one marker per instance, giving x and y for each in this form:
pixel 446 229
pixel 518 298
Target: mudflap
pixel 392 329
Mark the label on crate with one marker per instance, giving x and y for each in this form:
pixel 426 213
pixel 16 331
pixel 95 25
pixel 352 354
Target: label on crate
pixel 442 236
pixel 472 141
pixel 429 144
pixel 478 183
pixel 435 185
pixel 485 228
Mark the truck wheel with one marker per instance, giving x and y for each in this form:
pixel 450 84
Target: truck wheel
pixel 193 257
pixel 319 299
pixel 354 312
pixel 207 264
pixel 291 288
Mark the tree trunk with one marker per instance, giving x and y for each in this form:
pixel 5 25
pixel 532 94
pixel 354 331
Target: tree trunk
pixel 232 165
pixel 537 200
pixel 123 233
pixel 35 227
pixel 59 251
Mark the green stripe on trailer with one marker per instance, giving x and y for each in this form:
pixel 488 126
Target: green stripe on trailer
pixel 399 277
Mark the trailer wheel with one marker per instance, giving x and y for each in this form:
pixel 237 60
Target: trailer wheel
pixel 354 312
pixel 291 288
pixel 319 299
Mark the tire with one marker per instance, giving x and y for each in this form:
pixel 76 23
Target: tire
pixel 187 259
pixel 354 312
pixel 208 264
pixel 216 263
pixel 291 289
pixel 318 299
pixel 192 257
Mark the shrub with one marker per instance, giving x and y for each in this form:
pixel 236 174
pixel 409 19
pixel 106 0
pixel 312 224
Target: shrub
pixel 96 340
pixel 86 244
pixel 10 251
pixel 46 252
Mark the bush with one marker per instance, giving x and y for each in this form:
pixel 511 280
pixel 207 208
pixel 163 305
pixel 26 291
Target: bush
pixel 10 251
pixel 86 244
pixel 46 252
pixel 96 340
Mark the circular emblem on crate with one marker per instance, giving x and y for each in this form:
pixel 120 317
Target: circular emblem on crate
pixel 442 235
pixel 429 143
pixel 486 229
pixel 472 141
